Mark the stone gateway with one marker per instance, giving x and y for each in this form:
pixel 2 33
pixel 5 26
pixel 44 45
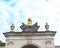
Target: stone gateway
pixel 30 37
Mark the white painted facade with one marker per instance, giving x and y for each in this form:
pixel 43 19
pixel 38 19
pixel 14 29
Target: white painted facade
pixel 41 39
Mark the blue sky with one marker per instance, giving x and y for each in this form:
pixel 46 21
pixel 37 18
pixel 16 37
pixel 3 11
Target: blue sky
pixel 41 11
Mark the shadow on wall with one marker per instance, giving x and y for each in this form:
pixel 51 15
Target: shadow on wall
pixel 29 46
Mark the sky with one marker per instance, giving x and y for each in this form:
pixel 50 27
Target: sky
pixel 41 11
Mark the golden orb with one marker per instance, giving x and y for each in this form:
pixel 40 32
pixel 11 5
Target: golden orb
pixel 29 21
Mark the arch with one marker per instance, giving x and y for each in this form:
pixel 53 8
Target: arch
pixel 29 46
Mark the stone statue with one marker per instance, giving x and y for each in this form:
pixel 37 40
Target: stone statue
pixel 29 27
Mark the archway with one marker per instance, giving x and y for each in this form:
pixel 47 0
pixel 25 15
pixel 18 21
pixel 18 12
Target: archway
pixel 29 46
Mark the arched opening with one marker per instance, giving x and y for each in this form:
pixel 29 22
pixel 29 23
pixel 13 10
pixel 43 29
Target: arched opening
pixel 29 46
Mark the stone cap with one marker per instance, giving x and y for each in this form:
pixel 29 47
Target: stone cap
pixel 39 33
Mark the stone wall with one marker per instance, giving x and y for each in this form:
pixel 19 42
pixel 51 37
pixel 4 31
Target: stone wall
pixel 20 39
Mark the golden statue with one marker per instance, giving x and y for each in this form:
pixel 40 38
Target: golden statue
pixel 29 21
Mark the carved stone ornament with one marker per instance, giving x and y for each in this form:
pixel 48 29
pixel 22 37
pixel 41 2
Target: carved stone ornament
pixel 10 43
pixel 12 27
pixel 47 27
pixel 48 42
pixel 27 28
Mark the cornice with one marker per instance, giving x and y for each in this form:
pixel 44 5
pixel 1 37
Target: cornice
pixel 39 33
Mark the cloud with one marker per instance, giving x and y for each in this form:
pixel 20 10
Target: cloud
pixel 41 11
pixel 13 4
pixel 5 1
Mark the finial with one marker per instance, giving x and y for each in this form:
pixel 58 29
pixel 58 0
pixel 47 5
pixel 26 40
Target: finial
pixel 47 26
pixel 12 27
pixel 29 21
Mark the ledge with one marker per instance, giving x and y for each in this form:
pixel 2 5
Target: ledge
pixel 39 33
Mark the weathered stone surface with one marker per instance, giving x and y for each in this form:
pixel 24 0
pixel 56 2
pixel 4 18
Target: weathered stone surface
pixel 42 39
